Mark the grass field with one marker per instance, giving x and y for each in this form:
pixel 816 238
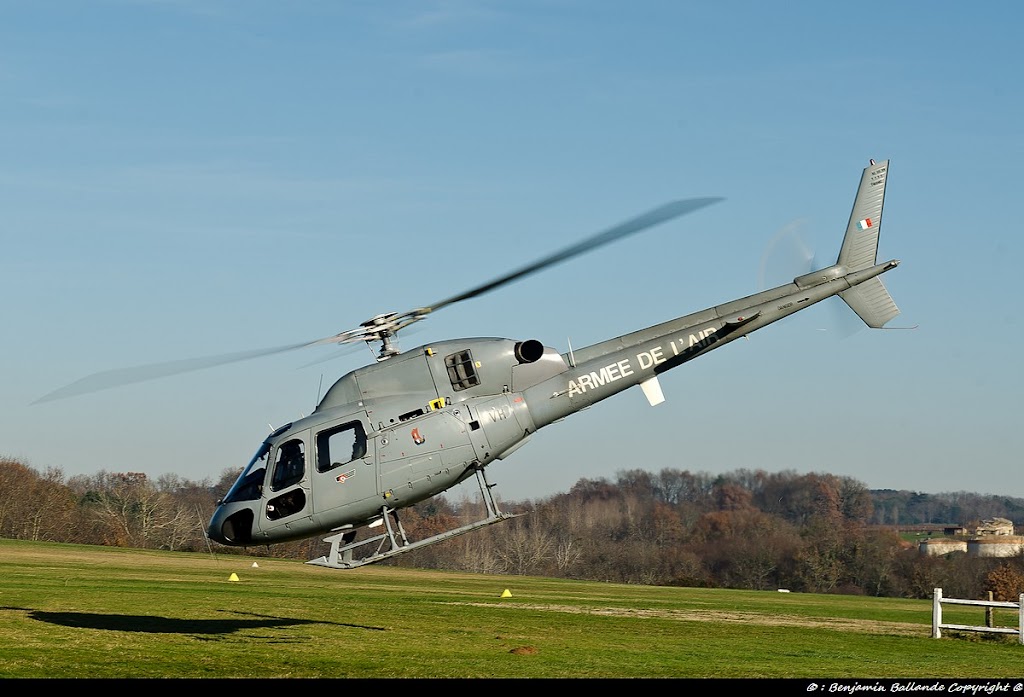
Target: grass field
pixel 71 611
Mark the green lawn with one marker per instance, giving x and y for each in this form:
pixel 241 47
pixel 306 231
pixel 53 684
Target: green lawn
pixel 93 612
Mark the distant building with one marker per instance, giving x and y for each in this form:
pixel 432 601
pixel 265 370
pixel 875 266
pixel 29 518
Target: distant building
pixel 939 546
pixel 991 538
pixel 998 545
pixel 994 526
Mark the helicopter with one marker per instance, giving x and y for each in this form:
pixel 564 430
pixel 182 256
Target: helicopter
pixel 416 423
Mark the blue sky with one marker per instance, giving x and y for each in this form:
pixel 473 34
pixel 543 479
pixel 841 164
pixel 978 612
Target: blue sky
pixel 182 178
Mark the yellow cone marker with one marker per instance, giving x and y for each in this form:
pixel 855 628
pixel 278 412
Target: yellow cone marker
pixel 506 594
pixel 233 577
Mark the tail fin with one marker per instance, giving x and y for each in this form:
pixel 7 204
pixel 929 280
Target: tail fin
pixel 870 300
pixel 860 245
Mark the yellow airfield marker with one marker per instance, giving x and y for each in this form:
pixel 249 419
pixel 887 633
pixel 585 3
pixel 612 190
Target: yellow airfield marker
pixel 506 593
pixel 233 577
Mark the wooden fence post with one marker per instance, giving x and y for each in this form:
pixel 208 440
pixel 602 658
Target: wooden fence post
pixel 938 626
pixel 1020 619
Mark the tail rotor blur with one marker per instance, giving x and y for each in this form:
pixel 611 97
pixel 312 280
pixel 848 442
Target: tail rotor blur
pixel 789 254
pixel 786 256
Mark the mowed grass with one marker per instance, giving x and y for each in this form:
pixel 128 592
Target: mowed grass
pixel 70 611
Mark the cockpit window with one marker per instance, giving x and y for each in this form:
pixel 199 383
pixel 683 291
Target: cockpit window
pixel 461 370
pixel 290 465
pixel 340 445
pixel 249 484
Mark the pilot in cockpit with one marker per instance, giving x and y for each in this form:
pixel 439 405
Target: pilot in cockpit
pixel 290 465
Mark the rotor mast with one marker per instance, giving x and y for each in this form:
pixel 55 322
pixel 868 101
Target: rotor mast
pixel 384 328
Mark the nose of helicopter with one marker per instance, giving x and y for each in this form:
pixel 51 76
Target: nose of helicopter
pixel 231 525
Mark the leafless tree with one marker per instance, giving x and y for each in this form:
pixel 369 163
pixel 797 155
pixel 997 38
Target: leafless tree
pixel 524 547
pixel 34 506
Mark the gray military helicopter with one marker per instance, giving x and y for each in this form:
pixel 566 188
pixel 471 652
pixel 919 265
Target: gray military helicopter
pixel 418 422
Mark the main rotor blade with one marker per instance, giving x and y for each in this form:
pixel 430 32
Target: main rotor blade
pixel 126 376
pixel 382 326
pixel 649 219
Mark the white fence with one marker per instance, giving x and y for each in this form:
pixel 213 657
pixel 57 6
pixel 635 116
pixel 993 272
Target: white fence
pixel 938 626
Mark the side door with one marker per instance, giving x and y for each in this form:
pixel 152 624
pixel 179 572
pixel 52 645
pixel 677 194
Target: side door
pixel 287 504
pixel 344 478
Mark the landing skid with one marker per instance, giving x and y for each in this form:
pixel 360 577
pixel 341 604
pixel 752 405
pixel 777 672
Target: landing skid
pixel 395 542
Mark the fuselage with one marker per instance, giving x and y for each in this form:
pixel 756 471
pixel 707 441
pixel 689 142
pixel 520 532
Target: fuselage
pixel 402 430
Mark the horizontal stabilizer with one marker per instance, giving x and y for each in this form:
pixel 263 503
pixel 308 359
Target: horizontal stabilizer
pixel 872 302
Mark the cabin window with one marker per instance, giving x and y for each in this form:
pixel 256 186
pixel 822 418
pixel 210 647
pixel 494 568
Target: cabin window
pixel 340 445
pixel 290 465
pixel 462 370
pixel 286 504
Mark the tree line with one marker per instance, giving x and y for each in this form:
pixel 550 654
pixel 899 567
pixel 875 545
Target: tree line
pixel 745 529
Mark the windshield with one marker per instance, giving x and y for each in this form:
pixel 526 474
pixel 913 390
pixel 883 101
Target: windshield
pixel 249 485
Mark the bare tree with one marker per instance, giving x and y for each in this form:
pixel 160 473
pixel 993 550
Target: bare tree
pixel 34 506
pixel 524 547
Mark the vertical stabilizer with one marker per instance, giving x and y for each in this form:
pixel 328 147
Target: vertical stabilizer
pixel 870 300
pixel 860 244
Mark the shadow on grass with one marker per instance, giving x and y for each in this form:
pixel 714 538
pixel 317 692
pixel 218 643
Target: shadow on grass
pixel 152 624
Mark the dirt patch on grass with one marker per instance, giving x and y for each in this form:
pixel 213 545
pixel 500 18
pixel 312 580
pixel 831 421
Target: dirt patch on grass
pixel 749 618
